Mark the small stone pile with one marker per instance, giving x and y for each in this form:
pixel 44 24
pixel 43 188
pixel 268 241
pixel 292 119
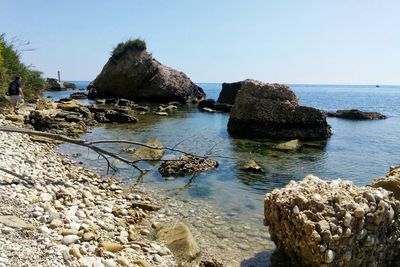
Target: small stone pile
pixel 320 223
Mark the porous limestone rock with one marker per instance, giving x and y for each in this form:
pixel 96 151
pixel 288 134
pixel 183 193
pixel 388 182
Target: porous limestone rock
pixel 321 223
pixel 390 182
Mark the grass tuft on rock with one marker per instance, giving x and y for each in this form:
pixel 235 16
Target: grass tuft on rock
pixel 137 44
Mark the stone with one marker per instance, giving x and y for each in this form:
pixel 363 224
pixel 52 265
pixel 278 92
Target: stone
pixel 109 263
pixel 89 236
pixel 142 263
pixel 229 92
pixel 87 261
pixel 150 153
pixel 135 75
pixel 160 113
pixel 210 105
pixel 390 182
pixel 186 165
pixel 15 222
pixel 355 114
pixel 123 261
pixel 292 145
pixel 272 111
pixel 325 228
pixel 74 251
pixel 45 230
pixel 112 246
pixel 180 241
pixel 70 239
pixel 251 166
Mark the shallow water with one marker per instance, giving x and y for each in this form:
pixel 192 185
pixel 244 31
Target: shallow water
pixel 358 150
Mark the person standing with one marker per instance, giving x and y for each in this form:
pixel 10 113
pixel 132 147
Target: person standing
pixel 16 93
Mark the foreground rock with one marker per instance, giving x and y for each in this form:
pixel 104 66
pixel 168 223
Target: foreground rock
pixel 390 182
pixel 186 165
pixel 272 111
pixel 355 114
pixel 136 75
pixel 319 223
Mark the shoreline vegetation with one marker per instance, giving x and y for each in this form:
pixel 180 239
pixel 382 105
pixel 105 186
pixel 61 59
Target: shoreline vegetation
pixel 67 215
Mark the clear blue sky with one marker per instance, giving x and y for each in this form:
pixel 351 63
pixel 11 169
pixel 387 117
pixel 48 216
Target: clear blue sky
pixel 341 41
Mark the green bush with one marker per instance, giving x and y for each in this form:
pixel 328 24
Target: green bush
pixel 10 66
pixel 138 45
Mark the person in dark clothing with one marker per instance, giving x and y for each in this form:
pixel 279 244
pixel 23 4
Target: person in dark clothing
pixel 16 93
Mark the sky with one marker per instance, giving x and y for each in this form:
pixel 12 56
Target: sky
pixel 286 41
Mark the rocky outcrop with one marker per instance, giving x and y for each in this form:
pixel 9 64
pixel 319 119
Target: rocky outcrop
pixel 186 165
pixel 272 111
pixel 320 223
pixel 229 92
pixel 390 182
pixel 355 114
pixel 54 84
pixel 136 75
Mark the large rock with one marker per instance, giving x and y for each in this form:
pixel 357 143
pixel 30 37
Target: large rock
pixel 180 241
pixel 390 182
pixel 136 75
pixel 355 114
pixel 320 223
pixel 272 111
pixel 229 92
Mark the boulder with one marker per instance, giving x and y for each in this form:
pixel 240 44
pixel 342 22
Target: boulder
pixel 272 111
pixel 390 182
pixel 54 84
pixel 186 165
pixel 229 92
pixel 333 223
pixel 292 145
pixel 149 153
pixel 180 241
pixel 136 75
pixel 78 95
pixel 355 114
pixel 69 85
pixel 251 166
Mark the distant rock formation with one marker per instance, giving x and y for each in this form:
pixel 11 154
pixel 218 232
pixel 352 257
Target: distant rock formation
pixel 321 223
pixel 136 75
pixel 272 111
pixel 54 84
pixel 229 92
pixel 355 114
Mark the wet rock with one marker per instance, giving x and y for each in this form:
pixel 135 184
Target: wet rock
pixel 326 224
pixel 78 96
pixel 272 111
pixel 292 145
pixel 355 114
pixel 186 165
pixel 251 166
pixel 180 241
pixel 150 153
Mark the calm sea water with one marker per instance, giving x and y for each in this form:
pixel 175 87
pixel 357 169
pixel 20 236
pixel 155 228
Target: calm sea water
pixel 358 150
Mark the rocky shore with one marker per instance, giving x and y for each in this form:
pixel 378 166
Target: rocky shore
pixel 69 216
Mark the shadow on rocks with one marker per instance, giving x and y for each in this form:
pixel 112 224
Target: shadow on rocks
pixel 268 259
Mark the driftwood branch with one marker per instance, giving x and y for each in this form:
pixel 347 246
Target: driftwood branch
pixel 100 151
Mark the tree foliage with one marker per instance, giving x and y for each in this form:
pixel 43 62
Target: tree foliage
pixel 10 66
pixel 137 44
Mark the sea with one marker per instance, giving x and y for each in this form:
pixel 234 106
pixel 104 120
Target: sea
pixel 359 151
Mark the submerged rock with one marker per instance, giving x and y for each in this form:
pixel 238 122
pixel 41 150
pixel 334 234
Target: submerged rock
pixel 180 241
pixel 150 153
pixel 251 166
pixel 390 182
pixel 272 111
pixel 355 114
pixel 292 145
pixel 186 165
pixel 320 223
pixel 136 75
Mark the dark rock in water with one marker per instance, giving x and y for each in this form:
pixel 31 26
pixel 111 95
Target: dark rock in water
pixel 100 101
pixel 211 104
pixel 78 96
pixel 355 114
pixel 65 99
pixel 186 165
pixel 111 101
pixel 272 111
pixel 69 85
pixel 119 117
pixel 109 115
pixel 229 92
pixel 54 84
pixel 136 75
